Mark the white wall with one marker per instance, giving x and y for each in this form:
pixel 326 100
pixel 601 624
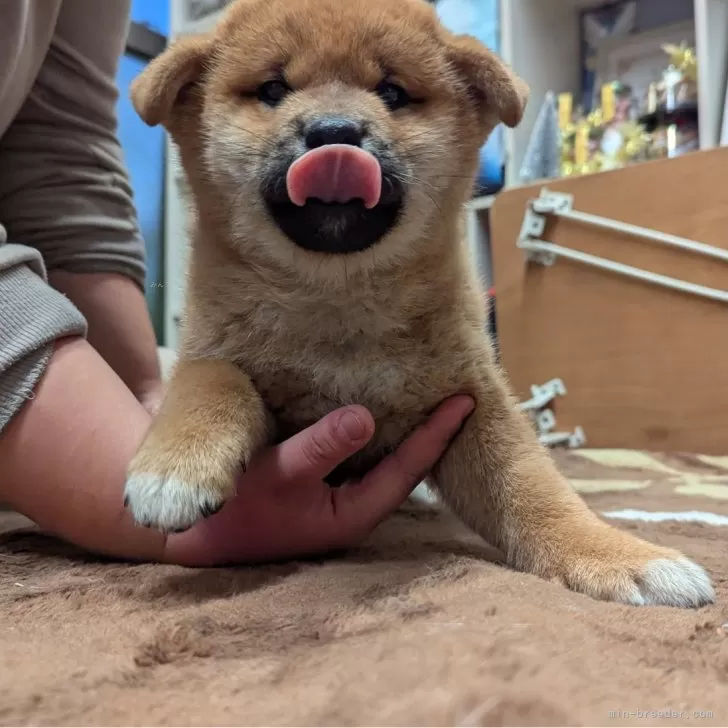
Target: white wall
pixel 541 43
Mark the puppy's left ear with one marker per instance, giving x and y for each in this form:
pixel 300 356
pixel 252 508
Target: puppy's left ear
pixel 493 86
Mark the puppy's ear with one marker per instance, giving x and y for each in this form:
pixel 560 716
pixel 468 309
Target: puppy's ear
pixel 164 83
pixel 492 84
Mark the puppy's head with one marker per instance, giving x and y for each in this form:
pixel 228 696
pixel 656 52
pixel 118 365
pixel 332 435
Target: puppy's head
pixel 327 127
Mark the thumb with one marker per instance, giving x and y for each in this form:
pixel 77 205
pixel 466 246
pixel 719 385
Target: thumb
pixel 314 452
pixel 152 402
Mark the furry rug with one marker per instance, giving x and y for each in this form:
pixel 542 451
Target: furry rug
pixel 418 626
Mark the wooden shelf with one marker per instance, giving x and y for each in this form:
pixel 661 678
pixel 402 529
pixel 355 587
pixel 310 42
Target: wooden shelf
pixel 540 39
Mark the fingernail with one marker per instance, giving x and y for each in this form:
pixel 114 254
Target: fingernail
pixel 352 426
pixel 467 403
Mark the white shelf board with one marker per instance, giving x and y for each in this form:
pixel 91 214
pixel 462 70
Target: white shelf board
pixel 176 248
pixel 484 202
pixel 540 42
pixel 711 31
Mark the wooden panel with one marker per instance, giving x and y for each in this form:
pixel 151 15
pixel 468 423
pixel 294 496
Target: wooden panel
pixel 644 367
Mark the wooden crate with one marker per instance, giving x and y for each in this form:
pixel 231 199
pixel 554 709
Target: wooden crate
pixel 644 367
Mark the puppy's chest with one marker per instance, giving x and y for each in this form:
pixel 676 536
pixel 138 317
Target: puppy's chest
pixel 306 364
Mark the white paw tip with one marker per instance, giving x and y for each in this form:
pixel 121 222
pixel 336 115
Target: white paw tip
pixel 166 504
pixel 675 583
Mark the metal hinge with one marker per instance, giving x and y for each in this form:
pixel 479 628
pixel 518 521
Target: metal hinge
pixel 544 419
pixel 543 394
pixel 545 424
pixel 560 205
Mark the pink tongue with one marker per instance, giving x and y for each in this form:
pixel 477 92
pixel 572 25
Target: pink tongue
pixel 335 173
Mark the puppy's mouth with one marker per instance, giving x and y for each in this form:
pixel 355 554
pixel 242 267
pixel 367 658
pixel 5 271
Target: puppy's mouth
pixel 335 199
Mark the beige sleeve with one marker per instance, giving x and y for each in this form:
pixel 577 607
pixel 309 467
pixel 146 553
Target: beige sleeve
pixel 65 198
pixel 64 188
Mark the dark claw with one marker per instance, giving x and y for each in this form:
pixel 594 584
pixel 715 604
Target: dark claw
pixel 126 501
pixel 180 530
pixel 208 511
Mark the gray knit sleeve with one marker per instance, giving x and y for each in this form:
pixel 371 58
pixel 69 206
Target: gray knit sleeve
pixel 32 316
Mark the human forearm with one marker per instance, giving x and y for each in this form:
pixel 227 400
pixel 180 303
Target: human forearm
pixel 119 326
pixel 65 455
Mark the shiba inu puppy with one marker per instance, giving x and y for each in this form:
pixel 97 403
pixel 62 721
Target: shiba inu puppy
pixel 329 147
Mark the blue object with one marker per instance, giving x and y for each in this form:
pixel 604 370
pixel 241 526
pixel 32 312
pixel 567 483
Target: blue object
pixel 152 13
pixel 144 152
pixel 480 18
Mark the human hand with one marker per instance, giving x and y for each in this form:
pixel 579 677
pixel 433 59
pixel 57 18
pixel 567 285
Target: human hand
pixel 284 509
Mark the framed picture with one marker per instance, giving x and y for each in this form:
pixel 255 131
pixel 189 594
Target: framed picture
pixel 598 25
pixel 606 25
pixel 639 60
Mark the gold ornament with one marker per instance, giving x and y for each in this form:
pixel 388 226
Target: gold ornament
pixel 567 169
pixel 595 119
pixel 683 58
pixel 636 140
pixel 593 164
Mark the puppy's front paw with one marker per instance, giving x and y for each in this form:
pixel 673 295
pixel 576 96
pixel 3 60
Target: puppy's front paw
pixel 625 569
pixel 170 489
pixel 168 504
pixel 209 426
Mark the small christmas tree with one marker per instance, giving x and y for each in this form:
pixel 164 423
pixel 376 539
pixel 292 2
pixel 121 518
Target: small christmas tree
pixel 543 158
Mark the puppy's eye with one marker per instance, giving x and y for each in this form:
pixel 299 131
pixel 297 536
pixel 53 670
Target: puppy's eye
pixel 394 96
pixel 273 92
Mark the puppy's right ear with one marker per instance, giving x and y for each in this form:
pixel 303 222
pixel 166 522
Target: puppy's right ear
pixel 163 84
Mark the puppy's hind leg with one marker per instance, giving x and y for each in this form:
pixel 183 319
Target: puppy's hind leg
pixel 210 424
pixel 504 485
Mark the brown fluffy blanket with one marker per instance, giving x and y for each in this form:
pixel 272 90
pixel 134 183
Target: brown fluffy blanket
pixel 416 627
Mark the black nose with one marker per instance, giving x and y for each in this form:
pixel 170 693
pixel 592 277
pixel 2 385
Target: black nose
pixel 333 130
